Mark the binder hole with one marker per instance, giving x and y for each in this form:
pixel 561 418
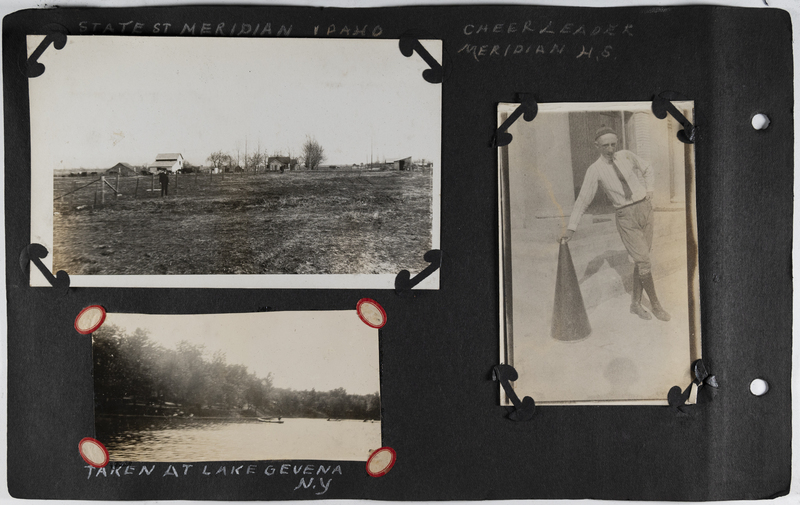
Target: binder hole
pixel 759 387
pixel 760 121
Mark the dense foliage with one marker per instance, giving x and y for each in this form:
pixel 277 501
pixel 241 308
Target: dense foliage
pixel 134 375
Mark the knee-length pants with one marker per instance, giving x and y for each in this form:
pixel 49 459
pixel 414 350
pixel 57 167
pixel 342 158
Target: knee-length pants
pixel 635 227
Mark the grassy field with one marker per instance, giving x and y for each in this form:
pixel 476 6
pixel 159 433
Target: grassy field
pixel 270 223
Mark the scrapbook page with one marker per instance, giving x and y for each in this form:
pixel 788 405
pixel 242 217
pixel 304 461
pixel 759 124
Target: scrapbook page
pixel 268 253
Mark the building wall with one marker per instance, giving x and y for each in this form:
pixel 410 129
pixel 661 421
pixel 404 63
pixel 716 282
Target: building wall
pixel 540 179
pixel 649 138
pixel 549 156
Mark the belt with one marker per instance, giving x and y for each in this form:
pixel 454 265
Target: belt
pixel 632 204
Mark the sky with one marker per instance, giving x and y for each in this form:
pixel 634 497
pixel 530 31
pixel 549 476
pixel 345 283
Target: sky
pixel 323 350
pixel 104 100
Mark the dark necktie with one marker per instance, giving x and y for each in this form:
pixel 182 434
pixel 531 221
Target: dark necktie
pixel 625 187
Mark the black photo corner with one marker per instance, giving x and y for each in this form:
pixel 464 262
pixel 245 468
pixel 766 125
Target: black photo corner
pixel 450 432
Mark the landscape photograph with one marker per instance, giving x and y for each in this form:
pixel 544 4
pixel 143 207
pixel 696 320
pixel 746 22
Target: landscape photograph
pixel 224 387
pixel 235 163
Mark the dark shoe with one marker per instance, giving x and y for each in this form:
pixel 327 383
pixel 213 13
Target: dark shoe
pixel 640 311
pixel 660 313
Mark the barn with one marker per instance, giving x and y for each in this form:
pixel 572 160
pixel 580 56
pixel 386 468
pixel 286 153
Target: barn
pixel 403 164
pixel 171 162
pixel 123 169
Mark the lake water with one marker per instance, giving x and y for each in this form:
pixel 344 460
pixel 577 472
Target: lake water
pixel 177 439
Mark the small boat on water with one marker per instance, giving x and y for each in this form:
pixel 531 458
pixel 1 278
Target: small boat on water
pixel 270 420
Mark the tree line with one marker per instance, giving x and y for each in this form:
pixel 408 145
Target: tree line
pixel 312 155
pixel 134 375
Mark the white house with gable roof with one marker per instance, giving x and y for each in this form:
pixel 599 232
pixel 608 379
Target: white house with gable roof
pixel 171 162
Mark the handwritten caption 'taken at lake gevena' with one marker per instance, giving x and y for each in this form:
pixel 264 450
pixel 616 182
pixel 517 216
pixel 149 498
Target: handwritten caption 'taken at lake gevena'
pixel 316 478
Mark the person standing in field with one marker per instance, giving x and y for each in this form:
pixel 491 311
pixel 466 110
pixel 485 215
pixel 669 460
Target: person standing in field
pixel 163 179
pixel 628 182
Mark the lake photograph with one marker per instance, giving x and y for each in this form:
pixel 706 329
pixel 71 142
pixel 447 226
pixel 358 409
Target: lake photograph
pixel 232 387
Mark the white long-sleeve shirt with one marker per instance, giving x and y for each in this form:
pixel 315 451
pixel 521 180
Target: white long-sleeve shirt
pixel 638 173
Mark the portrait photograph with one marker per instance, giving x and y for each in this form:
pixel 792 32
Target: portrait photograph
pixel 216 162
pixel 598 249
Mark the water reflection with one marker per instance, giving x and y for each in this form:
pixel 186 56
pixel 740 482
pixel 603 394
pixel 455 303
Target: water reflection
pixel 155 439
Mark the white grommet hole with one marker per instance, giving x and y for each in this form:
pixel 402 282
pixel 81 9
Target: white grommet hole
pixel 760 121
pixel 759 387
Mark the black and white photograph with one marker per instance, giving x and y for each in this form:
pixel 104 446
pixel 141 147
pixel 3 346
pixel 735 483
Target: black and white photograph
pixel 598 247
pixel 215 162
pixel 237 387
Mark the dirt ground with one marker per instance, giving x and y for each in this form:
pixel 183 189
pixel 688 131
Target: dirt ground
pixel 270 223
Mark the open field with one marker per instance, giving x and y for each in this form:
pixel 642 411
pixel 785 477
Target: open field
pixel 270 223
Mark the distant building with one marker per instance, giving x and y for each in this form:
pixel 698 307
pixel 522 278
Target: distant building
pixel 123 169
pixel 71 172
pixel 171 162
pixel 403 164
pixel 275 163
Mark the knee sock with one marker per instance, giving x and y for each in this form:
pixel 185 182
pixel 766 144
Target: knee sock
pixel 636 294
pixel 650 289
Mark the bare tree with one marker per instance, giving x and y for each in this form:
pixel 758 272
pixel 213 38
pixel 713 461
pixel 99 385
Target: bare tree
pixel 312 153
pixel 236 162
pixel 230 163
pixel 220 160
pixel 256 161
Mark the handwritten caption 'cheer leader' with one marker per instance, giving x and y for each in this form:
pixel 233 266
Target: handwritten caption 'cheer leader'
pixel 316 477
pixel 578 40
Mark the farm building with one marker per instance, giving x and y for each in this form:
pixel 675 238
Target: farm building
pixel 171 162
pixel 403 164
pixel 123 169
pixel 70 172
pixel 282 162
